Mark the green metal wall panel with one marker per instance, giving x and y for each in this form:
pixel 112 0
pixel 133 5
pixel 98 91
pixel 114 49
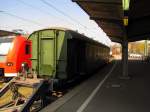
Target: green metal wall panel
pixel 49 51
pixel 34 58
pixel 47 34
pixel 61 55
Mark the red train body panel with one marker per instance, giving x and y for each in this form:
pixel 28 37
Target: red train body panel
pixel 13 52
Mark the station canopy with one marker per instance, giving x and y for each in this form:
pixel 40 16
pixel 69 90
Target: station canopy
pixel 120 19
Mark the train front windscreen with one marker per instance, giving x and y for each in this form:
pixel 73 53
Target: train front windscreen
pixel 5 44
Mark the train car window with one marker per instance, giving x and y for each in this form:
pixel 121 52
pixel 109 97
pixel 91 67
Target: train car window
pixel 5 44
pixel 27 49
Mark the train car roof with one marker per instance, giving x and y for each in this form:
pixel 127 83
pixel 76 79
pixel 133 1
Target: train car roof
pixel 4 33
pixel 82 37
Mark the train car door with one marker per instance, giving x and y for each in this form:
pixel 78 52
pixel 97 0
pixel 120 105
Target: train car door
pixel 47 51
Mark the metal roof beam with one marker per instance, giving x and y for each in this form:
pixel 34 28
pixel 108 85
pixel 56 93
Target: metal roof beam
pixel 139 37
pixel 118 22
pixel 118 2
pixel 132 20
pixel 115 38
pixel 139 27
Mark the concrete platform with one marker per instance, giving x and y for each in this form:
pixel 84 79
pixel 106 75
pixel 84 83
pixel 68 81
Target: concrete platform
pixel 106 92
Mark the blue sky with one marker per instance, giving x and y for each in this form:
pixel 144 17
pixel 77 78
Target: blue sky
pixel 39 15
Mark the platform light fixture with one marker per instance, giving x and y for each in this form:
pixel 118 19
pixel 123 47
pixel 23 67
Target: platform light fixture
pixel 125 20
pixel 125 5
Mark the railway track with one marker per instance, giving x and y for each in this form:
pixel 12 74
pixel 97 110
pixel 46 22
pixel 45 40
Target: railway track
pixel 32 96
pixel 17 93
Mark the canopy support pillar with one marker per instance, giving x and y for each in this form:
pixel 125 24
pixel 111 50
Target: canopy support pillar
pixel 125 60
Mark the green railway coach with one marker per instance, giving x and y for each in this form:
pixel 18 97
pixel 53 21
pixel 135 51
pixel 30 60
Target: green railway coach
pixel 63 54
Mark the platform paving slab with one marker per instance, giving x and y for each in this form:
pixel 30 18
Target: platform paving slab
pixel 115 94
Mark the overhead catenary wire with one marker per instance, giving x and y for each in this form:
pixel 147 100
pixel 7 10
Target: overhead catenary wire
pixel 69 19
pixel 68 16
pixel 41 10
pixel 21 18
pixel 64 14
pixel 7 27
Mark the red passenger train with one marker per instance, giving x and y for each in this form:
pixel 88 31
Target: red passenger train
pixel 14 51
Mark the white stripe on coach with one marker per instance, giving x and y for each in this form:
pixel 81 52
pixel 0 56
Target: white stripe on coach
pixel 10 74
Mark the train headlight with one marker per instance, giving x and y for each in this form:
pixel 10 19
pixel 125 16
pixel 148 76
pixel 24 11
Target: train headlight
pixel 23 64
pixel 9 64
